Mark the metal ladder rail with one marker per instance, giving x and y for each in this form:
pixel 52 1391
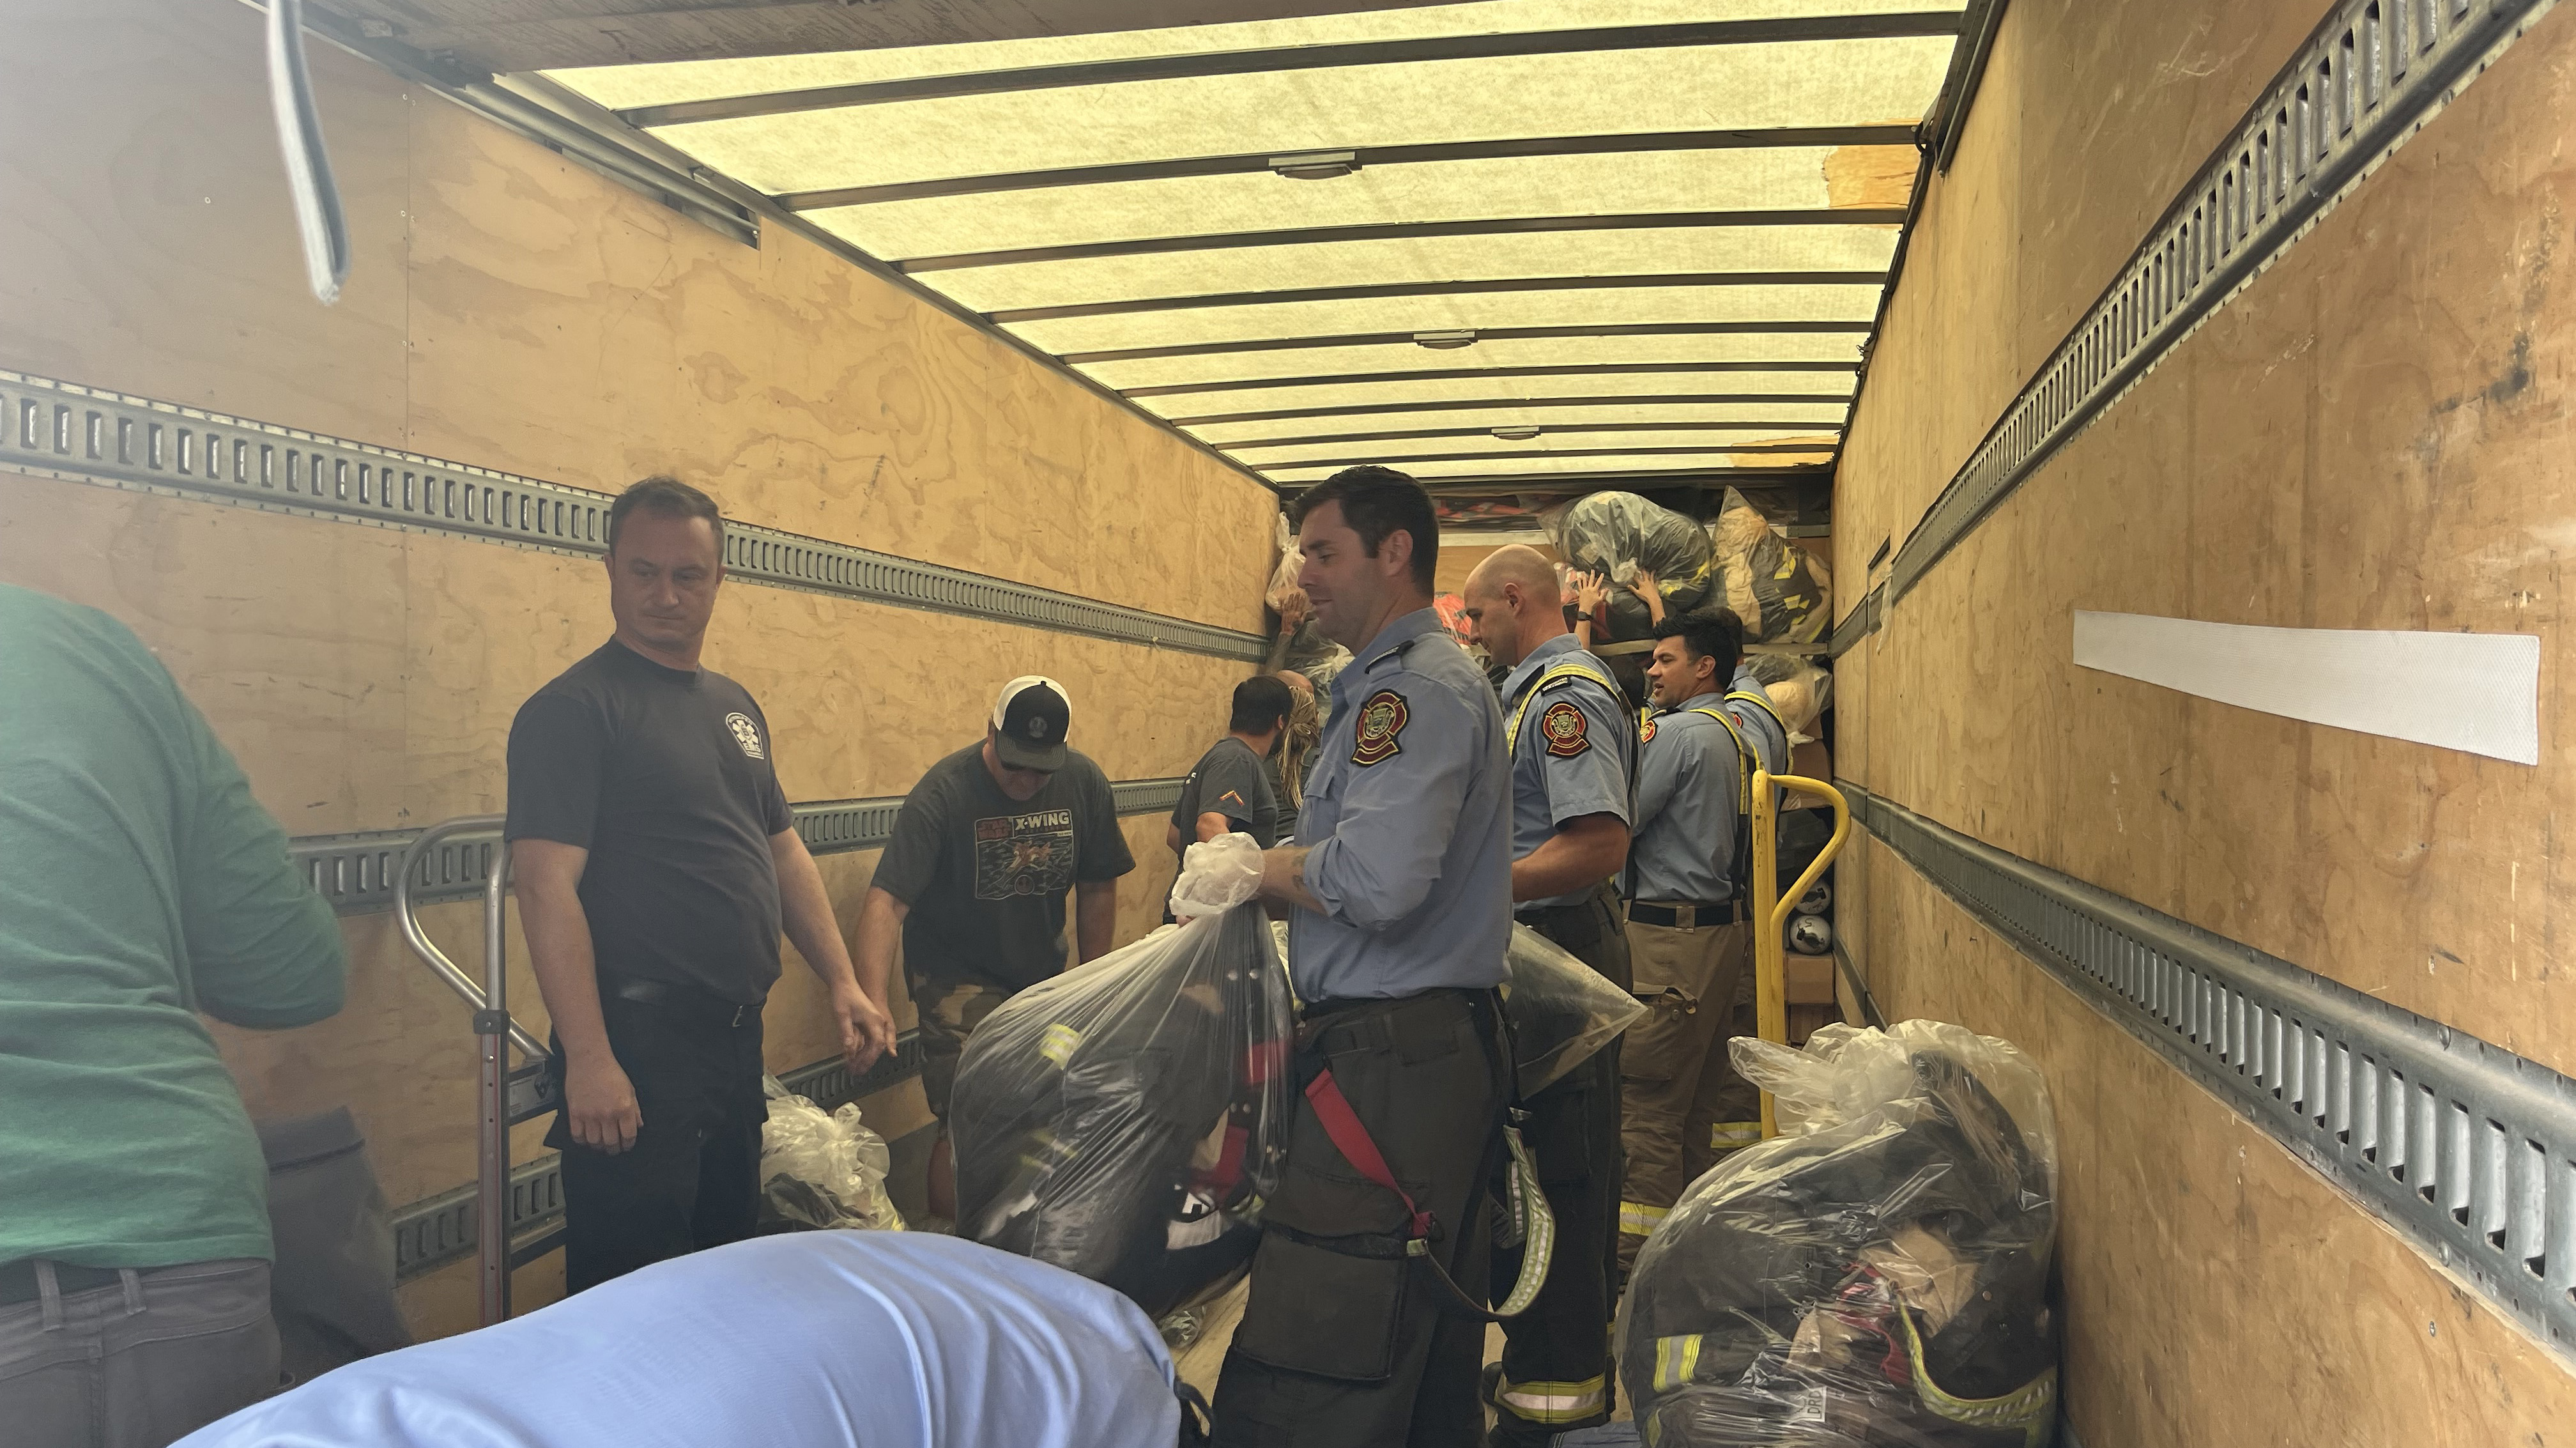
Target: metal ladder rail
pixel 495 1030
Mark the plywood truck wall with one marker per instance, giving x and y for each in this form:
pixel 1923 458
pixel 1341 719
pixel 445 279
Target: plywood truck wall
pixel 2371 435
pixel 516 312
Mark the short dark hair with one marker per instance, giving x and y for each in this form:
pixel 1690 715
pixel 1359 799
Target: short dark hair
pixel 665 496
pixel 1377 501
pixel 1261 702
pixel 1709 633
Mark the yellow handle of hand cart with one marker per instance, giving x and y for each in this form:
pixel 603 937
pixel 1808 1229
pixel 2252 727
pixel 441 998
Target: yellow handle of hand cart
pixel 1771 908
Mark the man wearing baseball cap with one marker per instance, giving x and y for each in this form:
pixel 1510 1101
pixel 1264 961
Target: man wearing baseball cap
pixel 974 881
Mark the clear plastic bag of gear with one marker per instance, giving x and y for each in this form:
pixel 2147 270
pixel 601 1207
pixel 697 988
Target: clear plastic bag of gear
pixel 1615 534
pixel 1562 1011
pixel 1125 1120
pixel 1877 1274
pixel 821 1169
pixel 1800 690
pixel 1783 593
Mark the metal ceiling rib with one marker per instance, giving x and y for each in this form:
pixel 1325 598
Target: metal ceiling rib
pixel 1656 231
pixel 1133 69
pixel 1256 162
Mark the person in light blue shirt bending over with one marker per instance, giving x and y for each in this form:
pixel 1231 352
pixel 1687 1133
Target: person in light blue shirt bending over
pixel 805 1340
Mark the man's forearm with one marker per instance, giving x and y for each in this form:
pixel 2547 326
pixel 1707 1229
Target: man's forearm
pixel 1582 854
pixel 880 930
pixel 805 908
pixel 1279 650
pixel 1095 918
pixel 1283 879
pixel 559 952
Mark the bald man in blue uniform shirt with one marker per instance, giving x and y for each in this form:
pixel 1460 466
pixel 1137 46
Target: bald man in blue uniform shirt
pixel 1399 891
pixel 1572 749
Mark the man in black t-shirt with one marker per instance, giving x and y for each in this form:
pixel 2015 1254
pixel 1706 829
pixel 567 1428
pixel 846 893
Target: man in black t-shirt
pixel 656 862
pixel 1228 790
pixel 974 880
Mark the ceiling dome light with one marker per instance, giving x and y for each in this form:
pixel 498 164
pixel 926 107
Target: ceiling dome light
pixel 1517 432
pixel 1316 165
pixel 1444 341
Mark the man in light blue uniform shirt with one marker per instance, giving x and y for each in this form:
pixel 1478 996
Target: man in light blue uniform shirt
pixel 1572 747
pixel 847 1339
pixel 1400 884
pixel 1687 937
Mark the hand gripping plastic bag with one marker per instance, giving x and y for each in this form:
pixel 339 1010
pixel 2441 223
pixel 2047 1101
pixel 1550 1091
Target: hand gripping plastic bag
pixel 1125 1121
pixel 1562 1011
pixel 1615 534
pixel 821 1169
pixel 1783 593
pixel 1877 1274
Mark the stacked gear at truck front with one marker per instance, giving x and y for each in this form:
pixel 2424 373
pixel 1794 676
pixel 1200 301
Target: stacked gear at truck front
pixel 1615 534
pixel 1876 1275
pixel 1126 1120
pixel 1781 591
pixel 1800 691
pixel 1309 652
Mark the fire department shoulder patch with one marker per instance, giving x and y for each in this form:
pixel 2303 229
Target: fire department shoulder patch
pixel 1381 725
pixel 1646 732
pixel 1564 726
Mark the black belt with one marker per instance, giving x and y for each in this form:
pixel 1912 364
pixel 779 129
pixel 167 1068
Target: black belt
pixel 18 1280
pixel 704 1004
pixel 1685 916
pixel 1603 899
pixel 1375 1021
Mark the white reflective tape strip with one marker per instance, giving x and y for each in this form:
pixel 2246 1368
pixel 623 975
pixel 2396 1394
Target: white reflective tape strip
pixel 1058 1043
pixel 1555 1402
pixel 2477 693
pixel 1675 1360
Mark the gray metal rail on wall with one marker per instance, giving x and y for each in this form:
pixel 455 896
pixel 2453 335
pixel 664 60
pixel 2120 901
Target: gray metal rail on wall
pixel 84 434
pixel 355 872
pixel 2364 82
pixel 2468 1149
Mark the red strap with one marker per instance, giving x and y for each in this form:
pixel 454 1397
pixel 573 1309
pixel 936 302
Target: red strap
pixel 1342 1124
pixel 1228 1170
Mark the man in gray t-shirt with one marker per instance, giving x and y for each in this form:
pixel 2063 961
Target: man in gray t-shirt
pixel 1229 789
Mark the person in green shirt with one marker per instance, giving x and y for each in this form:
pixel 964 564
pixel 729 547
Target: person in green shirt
pixel 142 885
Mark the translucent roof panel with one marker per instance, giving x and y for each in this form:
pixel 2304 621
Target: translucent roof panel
pixel 1544 465
pixel 1839 348
pixel 639 85
pixel 1432 313
pixel 1774 178
pixel 1577 384
pixel 1812 416
pixel 1863 250
pixel 1754 442
pixel 1800 83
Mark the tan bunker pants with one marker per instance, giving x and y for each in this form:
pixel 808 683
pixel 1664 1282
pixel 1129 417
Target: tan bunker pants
pixel 1687 977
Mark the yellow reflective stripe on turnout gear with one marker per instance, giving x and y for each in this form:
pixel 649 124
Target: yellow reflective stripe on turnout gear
pixel 1733 1135
pixel 1676 1358
pixel 1554 1402
pixel 1512 728
pixel 1639 1220
pixel 2032 1407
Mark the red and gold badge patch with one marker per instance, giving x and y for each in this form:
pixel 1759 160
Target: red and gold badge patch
pixel 1381 724
pixel 1646 732
pixel 1564 726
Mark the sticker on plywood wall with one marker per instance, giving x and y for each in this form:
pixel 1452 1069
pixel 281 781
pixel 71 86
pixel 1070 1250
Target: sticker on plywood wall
pixel 2479 693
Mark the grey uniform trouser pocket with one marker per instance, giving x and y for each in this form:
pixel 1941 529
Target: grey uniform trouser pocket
pixel 140 1362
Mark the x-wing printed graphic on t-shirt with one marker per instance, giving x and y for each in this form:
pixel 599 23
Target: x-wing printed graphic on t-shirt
pixel 1030 854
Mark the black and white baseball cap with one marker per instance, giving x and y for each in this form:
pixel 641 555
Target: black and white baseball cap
pixel 1029 723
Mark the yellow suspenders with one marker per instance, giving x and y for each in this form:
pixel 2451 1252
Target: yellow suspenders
pixel 1512 727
